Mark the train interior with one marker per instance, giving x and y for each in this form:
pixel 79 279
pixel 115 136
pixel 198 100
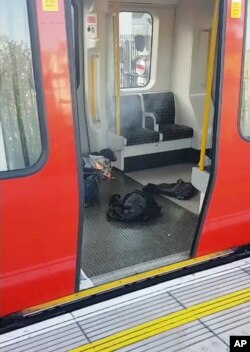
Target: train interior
pixel 141 76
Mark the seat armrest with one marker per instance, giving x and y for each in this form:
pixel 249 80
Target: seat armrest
pixel 154 120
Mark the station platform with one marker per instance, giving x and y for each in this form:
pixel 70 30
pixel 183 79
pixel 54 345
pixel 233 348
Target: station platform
pixel 194 313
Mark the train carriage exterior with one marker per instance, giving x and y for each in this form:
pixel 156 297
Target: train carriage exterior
pixel 61 67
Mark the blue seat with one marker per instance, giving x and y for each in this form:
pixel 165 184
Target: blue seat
pixel 162 106
pixel 132 122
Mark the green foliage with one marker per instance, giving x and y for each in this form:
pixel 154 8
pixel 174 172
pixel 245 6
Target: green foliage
pixel 18 105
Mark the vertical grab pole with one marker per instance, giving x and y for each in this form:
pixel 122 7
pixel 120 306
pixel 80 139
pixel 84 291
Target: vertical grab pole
pixel 92 89
pixel 117 67
pixel 210 78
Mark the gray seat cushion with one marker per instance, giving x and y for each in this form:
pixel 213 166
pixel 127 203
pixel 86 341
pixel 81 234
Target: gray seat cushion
pixel 172 132
pixel 131 112
pixel 141 136
pixel 131 122
pixel 162 105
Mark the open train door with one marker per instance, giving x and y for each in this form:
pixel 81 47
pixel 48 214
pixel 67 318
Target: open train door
pixel 225 220
pixel 40 193
pixel 41 198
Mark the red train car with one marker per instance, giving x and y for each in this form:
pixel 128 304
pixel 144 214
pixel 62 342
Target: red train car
pixel 100 98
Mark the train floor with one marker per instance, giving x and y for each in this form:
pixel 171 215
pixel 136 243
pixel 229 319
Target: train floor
pixel 194 313
pixel 111 250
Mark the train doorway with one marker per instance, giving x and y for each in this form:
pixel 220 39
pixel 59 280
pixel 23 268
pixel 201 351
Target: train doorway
pixel 141 75
pixel 139 72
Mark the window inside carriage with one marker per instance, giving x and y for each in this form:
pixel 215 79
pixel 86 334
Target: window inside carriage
pixel 136 31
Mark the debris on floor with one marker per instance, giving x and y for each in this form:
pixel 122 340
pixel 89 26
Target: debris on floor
pixel 109 246
pixel 95 167
pixel 135 206
pixel 101 161
pixel 180 190
pixel 91 184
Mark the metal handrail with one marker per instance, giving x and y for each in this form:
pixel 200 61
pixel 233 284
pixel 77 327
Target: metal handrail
pixel 210 79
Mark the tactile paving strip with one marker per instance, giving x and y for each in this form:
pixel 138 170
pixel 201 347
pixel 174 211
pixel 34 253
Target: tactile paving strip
pixel 194 313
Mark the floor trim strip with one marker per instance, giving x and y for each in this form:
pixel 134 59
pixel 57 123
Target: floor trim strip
pixel 123 282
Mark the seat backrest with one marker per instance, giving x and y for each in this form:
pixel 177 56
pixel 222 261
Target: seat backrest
pixel 131 112
pixel 161 103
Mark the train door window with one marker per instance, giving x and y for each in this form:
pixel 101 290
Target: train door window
pixel 136 29
pixel 75 39
pixel 20 138
pixel 245 99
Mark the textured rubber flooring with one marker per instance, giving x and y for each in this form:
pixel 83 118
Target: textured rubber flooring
pixel 109 246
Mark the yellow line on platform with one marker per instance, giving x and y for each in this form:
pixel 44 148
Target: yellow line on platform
pixel 123 282
pixel 155 327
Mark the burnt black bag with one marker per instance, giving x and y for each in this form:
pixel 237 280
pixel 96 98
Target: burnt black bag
pixel 180 190
pixel 135 206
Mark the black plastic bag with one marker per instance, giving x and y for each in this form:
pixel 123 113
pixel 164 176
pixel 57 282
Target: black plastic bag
pixel 135 206
pixel 180 190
